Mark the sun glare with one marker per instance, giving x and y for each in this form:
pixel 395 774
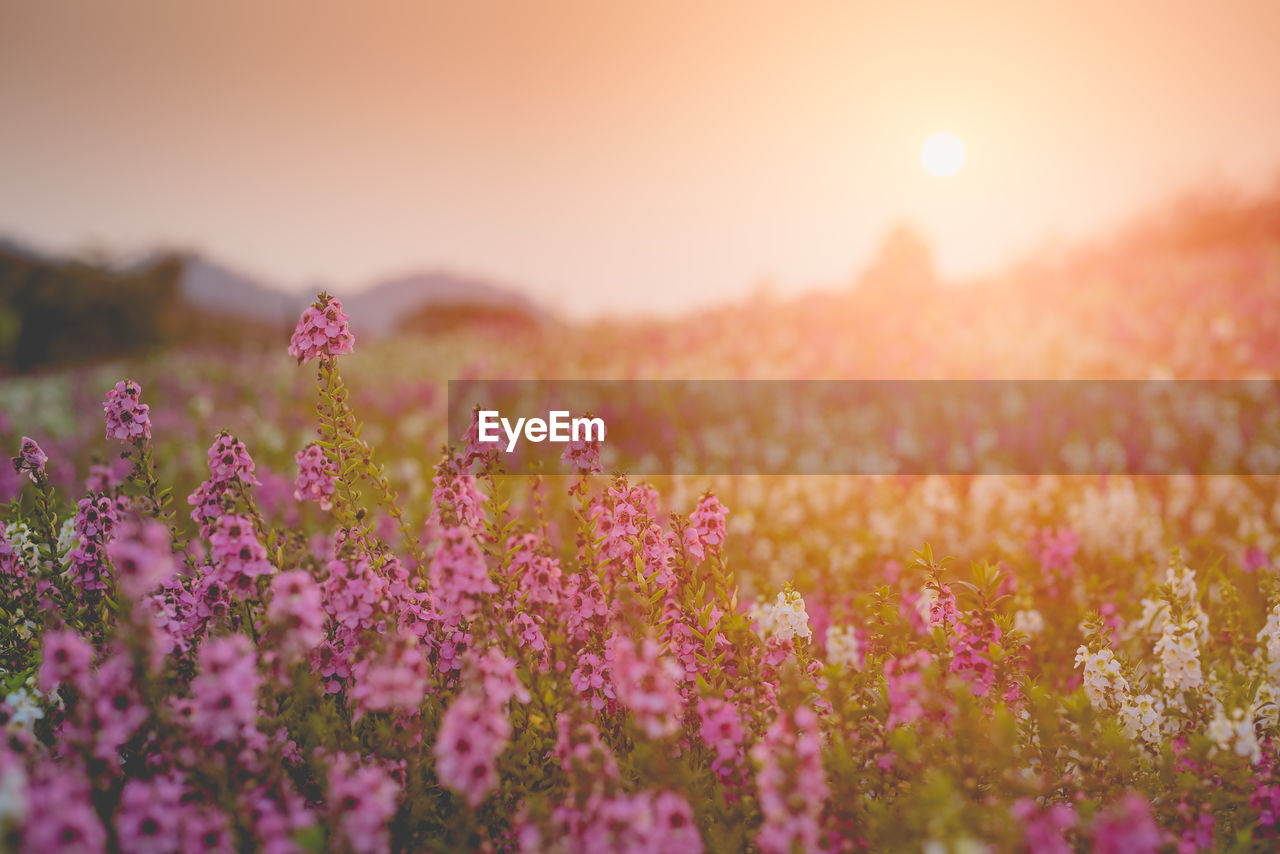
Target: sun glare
pixel 942 155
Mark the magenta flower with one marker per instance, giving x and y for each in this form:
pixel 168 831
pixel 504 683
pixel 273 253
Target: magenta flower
pixel 229 460
pixel 316 477
pixel 1126 827
pixel 127 418
pixel 473 734
pixel 321 332
pixel 65 659
pixel 224 695
pixel 30 459
pixel 150 815
pixel 62 817
pixel 647 683
pixel 142 555
pixel 397 679
pixel 364 799
pixel 296 613
pixel 791 782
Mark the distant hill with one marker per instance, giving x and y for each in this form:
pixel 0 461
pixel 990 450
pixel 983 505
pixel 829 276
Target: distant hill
pixel 62 312
pixel 377 310
pixel 385 306
pixel 212 287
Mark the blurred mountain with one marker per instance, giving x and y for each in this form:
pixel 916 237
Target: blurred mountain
pixel 210 286
pixel 388 305
pixel 64 311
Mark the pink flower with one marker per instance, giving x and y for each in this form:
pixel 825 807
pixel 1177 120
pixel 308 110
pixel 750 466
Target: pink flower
pixel 142 556
pixel 791 783
pixel 11 563
pixel 127 418
pixel 905 686
pixel 115 708
pixel 707 524
pixel 295 613
pixel 396 679
pixel 1126 827
pixel 1046 827
pixel 721 729
pixel 322 332
pixel 96 520
pixel 224 693
pixel 456 498
pixel 229 460
pixel 148 820
pixel 364 799
pixel 30 459
pixel 316 477
pixel 65 659
pixel 472 735
pixel 580 748
pixel 497 677
pixel 582 455
pixel 458 575
pixel 647 683
pixel 238 556
pixel 589 679
pixel 62 817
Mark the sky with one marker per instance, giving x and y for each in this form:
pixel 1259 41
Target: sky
pixel 616 157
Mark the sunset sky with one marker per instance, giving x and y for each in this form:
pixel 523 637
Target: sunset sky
pixel 616 157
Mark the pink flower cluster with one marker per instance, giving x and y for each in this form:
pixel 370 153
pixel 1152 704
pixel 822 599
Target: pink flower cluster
pixel 238 556
pixel 644 822
pixel 142 556
pixel 582 456
pixel 322 332
pixel 722 731
pixel 363 798
pixel 223 706
pixel 472 735
pixel 791 783
pixel 163 814
pixel 1127 827
pixel 646 682
pixel 706 526
pixel 316 477
pixel 395 679
pixel 230 467
pixel 229 460
pixel 459 578
pixel 127 417
pixel 295 615
pixel 1045 827
pixel 96 519
pixel 31 459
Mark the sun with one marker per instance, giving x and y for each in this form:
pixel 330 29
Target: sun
pixel 942 155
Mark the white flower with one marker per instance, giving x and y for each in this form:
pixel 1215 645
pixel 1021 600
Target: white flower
pixel 761 617
pixel 1028 621
pixel 1235 733
pixel 1269 637
pixel 789 617
pixel 1179 653
pixel 13 794
pixel 25 547
pixel 1142 717
pixel 842 646
pixel 1104 685
pixel 26 710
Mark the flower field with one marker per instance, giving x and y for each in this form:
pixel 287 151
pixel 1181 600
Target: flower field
pixel 251 603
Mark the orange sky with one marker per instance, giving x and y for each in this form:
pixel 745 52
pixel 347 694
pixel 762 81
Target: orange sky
pixel 637 157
